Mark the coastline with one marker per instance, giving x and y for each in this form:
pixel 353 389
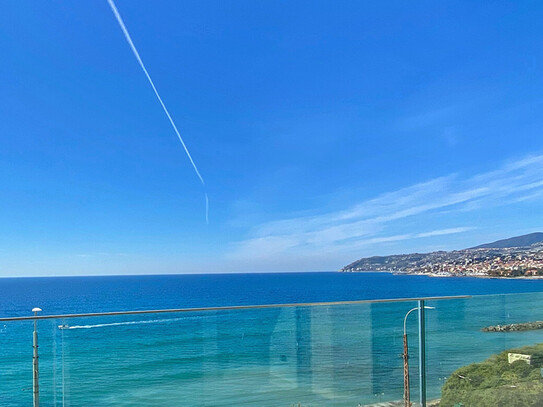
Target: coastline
pixel 436 275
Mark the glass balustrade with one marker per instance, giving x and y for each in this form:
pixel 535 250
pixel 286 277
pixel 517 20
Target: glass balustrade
pixel 479 350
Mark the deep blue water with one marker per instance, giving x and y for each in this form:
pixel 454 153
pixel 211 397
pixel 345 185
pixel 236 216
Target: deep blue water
pixel 344 356
pixel 120 293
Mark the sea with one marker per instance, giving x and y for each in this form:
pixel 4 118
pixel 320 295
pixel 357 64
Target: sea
pixel 322 355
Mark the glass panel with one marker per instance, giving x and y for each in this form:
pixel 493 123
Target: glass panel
pixel 473 345
pixel 344 355
pixel 16 363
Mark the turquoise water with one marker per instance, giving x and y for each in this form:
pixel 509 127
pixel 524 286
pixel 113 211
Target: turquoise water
pixel 315 356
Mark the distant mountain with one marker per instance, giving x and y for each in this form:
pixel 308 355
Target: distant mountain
pixel 517 241
pixel 513 257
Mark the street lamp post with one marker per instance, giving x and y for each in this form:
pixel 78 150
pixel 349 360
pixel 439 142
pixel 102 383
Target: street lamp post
pixel 405 356
pixel 35 365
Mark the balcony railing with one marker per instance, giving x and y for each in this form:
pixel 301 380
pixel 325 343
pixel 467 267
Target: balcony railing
pixel 313 354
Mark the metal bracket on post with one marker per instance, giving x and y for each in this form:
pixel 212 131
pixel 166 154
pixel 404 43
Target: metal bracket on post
pixel 35 365
pixel 422 354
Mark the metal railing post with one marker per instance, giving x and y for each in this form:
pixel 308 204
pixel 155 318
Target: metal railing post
pixel 422 354
pixel 35 364
pixel 406 388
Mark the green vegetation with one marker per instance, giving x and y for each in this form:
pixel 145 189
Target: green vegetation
pixel 496 382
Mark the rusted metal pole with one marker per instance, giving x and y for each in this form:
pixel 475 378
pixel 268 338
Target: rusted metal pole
pixel 406 389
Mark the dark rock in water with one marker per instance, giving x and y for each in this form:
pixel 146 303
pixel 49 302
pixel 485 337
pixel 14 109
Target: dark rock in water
pixel 524 326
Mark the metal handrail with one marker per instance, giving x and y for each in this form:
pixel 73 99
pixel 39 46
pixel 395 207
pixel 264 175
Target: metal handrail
pixel 226 308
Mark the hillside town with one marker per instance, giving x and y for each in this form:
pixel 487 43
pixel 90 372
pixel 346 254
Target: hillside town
pixel 525 261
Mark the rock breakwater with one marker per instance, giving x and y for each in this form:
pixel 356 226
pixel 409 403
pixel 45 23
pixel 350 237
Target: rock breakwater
pixel 524 326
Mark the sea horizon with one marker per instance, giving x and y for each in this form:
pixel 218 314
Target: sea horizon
pixel 155 291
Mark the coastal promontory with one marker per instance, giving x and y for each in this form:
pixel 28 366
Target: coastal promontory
pixel 520 256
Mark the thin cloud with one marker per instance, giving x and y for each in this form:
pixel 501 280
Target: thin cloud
pixel 442 232
pixel 370 222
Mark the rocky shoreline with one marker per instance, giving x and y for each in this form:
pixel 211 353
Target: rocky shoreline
pixel 524 326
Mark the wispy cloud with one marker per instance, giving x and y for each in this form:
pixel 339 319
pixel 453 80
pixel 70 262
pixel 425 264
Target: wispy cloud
pixel 373 222
pixel 100 254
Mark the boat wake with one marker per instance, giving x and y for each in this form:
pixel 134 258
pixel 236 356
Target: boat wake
pixel 149 321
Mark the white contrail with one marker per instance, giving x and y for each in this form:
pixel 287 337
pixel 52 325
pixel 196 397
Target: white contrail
pixel 137 55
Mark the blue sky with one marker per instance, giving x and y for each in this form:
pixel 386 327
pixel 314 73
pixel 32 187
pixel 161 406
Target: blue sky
pixel 325 132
